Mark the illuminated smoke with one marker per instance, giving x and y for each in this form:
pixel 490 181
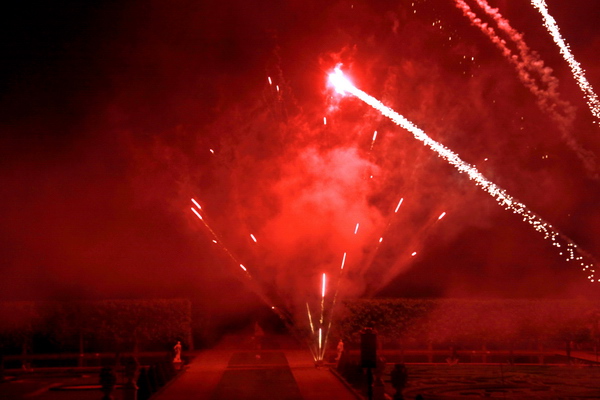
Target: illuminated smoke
pixel 534 75
pixel 565 246
pixel 576 70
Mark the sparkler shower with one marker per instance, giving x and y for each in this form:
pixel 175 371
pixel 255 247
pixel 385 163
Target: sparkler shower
pixel 114 116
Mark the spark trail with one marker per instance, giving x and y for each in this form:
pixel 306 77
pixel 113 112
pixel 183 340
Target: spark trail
pixel 576 70
pixel 250 280
pixel 565 246
pixel 534 75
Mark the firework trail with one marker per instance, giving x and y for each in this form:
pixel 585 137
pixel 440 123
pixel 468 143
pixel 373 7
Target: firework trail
pixel 534 75
pixel 333 302
pixel 409 249
pixel 251 281
pixel 576 70
pixel 566 247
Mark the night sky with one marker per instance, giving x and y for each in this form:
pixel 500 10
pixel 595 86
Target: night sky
pixel 109 112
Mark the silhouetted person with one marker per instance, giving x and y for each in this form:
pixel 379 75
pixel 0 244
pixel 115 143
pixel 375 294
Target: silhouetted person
pixel 259 336
pixel 108 380
pixel 399 378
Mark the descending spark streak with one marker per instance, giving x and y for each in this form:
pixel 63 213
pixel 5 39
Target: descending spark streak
pixel 343 261
pixel 323 286
pixel 356 229
pixel 196 204
pixel 573 253
pixel 251 281
pixel 399 204
pixel 217 241
pixel 270 81
pixel 442 215
pixel 253 238
pixel 373 141
pixel 576 70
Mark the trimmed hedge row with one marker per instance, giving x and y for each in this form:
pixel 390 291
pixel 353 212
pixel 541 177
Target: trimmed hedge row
pixel 478 322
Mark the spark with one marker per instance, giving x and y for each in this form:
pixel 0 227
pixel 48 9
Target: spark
pixel 320 341
pixel 244 268
pixel 380 239
pixel 277 87
pixel 310 321
pixel 442 215
pixel 197 213
pixel 576 70
pixel 196 204
pixel 373 140
pixel 212 151
pixel 270 81
pixel 253 238
pixel 324 120
pixel 323 299
pixel 214 241
pixel 343 261
pixel 506 201
pixel 399 204
pixel 414 253
pixel 356 229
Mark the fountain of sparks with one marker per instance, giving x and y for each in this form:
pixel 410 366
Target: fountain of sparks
pixel 316 347
pixel 565 246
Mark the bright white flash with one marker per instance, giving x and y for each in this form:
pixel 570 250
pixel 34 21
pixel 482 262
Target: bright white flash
pixel 339 81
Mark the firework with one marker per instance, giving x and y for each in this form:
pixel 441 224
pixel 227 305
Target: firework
pixel 373 140
pixel 534 75
pixel 399 204
pixel 343 261
pixel 576 70
pixel 566 247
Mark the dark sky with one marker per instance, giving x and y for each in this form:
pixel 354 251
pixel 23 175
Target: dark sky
pixel 109 112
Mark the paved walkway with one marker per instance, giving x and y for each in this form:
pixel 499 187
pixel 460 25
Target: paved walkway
pixel 224 374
